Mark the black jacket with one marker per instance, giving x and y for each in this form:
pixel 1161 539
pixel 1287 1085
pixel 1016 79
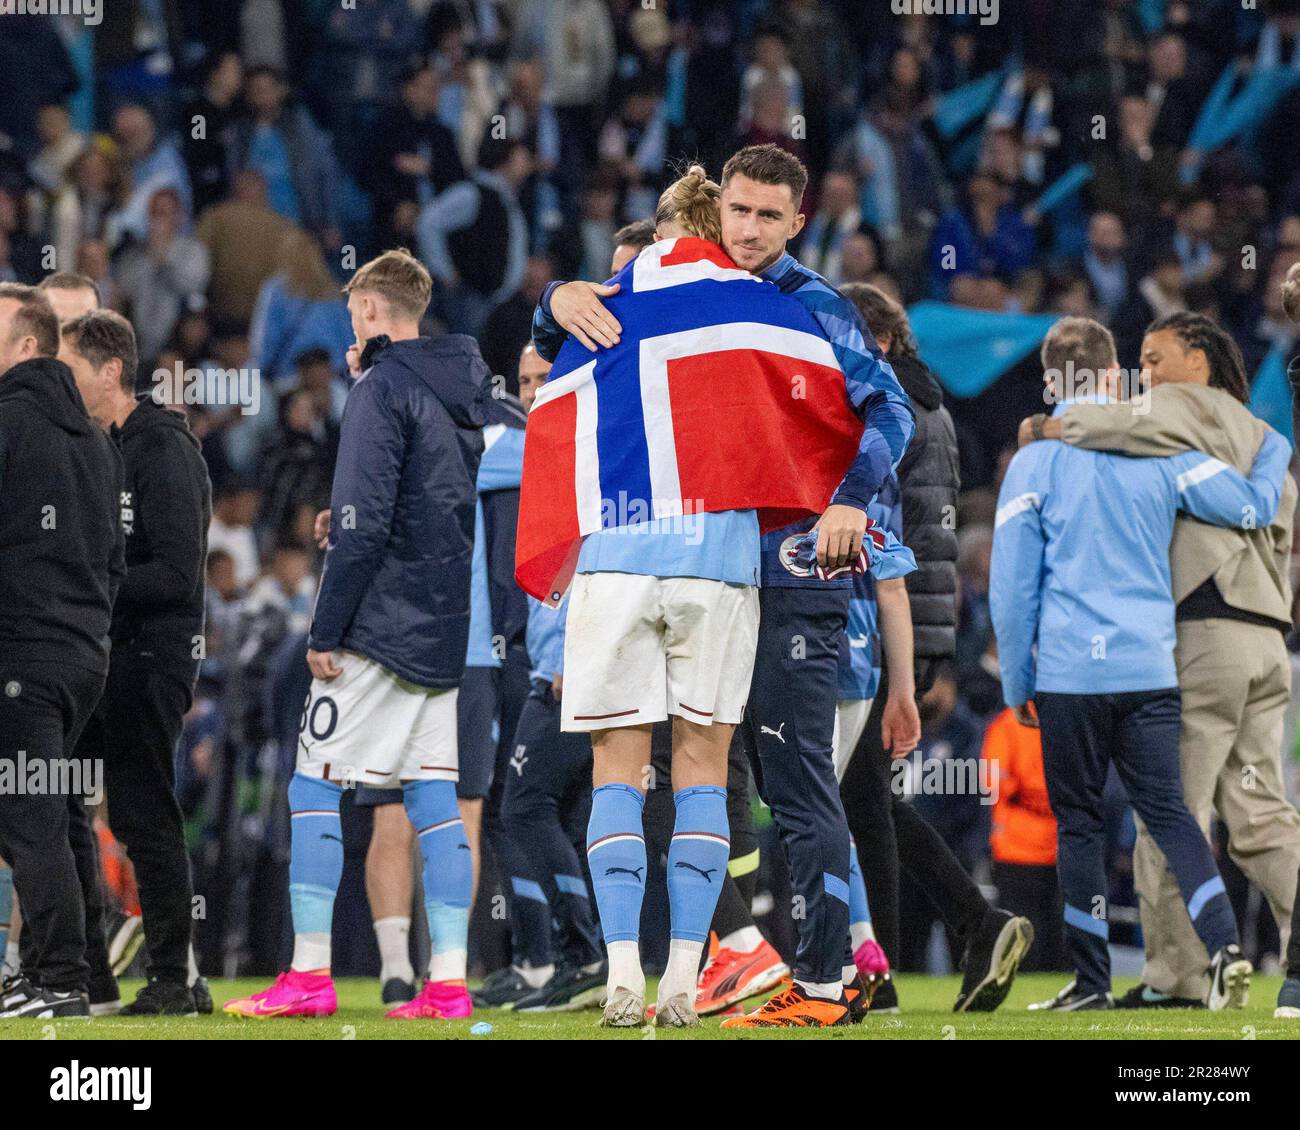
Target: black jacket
pixel 396 582
pixel 930 481
pixel 166 506
pixel 61 552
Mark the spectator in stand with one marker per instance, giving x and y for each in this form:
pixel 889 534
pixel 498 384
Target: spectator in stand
pixel 1134 177
pixel 20 255
pixel 1172 96
pixel 93 262
pixel 298 308
pixel 154 163
pixel 300 469
pixel 774 122
pixel 474 239
pixel 1023 839
pixel 837 218
pixel 234 509
pixel 629 242
pixel 98 190
pixel 208 153
pixel 984 238
pixel 469 89
pixel 1161 292
pixel 771 65
pixel 161 276
pixel 281 141
pixel 51 168
pixel 245 240
pixel 598 221
pixel 633 141
pixel 1194 224
pixel 1105 265
pixel 415 155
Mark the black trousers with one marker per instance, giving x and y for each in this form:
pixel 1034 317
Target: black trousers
pixel 43 708
pixel 85 852
pixel 889 831
pixel 1032 891
pixel 1293 946
pixel 134 732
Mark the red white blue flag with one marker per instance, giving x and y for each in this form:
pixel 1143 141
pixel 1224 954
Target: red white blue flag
pixel 722 394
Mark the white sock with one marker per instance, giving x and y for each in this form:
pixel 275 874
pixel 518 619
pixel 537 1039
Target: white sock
pixel 12 959
pixel 831 992
pixel 861 932
pixel 194 966
pixel 535 976
pixel 394 937
pixel 683 970
pixel 745 940
pixel 449 966
pixel 848 974
pixel 311 952
pixel 625 967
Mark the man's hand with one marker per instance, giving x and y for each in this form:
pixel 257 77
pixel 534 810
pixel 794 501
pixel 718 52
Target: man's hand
pixel 900 725
pixel 557 686
pixel 321 529
pixel 839 535
pixel 1026 715
pixel 578 308
pixel 1025 434
pixel 354 360
pixel 322 665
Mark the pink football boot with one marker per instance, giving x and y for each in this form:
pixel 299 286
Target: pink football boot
pixel 871 961
pixel 438 1000
pixel 293 994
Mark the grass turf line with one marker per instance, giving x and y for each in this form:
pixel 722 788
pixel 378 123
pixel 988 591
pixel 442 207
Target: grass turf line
pixel 927 1002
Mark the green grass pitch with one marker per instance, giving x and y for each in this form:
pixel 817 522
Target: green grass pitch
pixel 927 1002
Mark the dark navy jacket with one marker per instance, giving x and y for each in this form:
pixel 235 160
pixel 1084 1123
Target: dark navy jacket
pixel 396 582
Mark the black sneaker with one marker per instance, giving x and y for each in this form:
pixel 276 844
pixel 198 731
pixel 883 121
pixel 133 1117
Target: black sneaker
pixel 569 988
pixel 47 1004
pixel 1229 979
pixel 15 991
pixel 886 998
pixel 162 998
pixel 397 991
pixel 1288 1000
pixel 105 999
pixel 1143 995
pixel 500 989
pixel 125 937
pixel 992 957
pixel 1070 999
pixel 860 995
pixel 202 994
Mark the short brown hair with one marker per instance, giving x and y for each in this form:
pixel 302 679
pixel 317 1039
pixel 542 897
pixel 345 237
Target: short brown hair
pixel 639 234
pixel 769 164
pixel 884 316
pixel 69 280
pixel 100 337
pixel 1083 341
pixel 1291 293
pixel 399 278
pixel 35 316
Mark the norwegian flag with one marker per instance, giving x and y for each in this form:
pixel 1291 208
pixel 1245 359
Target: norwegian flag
pixel 722 394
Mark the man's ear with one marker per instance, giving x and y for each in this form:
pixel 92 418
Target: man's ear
pixel 799 221
pixel 111 374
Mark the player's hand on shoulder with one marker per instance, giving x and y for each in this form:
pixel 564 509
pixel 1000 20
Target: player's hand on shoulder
pixel 577 307
pixel 323 666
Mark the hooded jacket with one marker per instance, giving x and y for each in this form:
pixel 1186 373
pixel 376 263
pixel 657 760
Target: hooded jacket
pixel 61 548
pixel 396 582
pixel 166 506
pixel 929 477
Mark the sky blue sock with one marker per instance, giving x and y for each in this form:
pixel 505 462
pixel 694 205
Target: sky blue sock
pixel 6 906
pixel 859 909
pixel 616 855
pixel 316 854
pixel 448 866
pixel 697 860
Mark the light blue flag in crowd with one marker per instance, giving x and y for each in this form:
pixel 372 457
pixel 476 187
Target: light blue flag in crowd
pixel 970 349
pixel 958 108
pixel 1063 188
pixel 1270 395
pixel 1225 116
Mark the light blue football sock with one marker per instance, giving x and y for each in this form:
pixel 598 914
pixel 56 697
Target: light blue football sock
pixel 448 874
pixel 697 860
pixel 616 856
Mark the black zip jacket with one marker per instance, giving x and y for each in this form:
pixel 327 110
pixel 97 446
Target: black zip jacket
pixel 61 551
pixel 166 504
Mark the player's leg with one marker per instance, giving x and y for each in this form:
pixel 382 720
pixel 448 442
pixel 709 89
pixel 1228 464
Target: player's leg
pixel 1288 997
pixel 1148 764
pixel 792 704
pixel 389 884
pixel 7 911
pixel 1078 732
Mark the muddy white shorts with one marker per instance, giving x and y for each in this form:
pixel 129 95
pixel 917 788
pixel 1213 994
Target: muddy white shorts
pixel 637 649
pixel 850 720
pixel 369 727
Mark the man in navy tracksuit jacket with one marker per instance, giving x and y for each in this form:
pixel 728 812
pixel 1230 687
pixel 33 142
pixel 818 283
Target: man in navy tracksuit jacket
pixel 388 638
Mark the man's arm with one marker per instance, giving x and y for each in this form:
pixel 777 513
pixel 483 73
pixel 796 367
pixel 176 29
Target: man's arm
pixel 452 210
pixel 1214 492
pixel 900 723
pixel 366 478
pixel 1177 419
pixel 574 308
pixel 1015 579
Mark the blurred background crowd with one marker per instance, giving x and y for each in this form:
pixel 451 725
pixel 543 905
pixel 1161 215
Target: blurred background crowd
pixel 218 167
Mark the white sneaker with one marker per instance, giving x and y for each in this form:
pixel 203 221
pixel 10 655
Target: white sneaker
pixel 1229 980
pixel 678 1011
pixel 624 1009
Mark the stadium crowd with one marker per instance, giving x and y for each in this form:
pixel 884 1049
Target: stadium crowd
pixel 224 167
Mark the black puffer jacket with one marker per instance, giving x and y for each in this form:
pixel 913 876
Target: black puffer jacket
pixel 930 481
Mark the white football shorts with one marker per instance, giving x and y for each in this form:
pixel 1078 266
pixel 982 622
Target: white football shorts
pixel 369 727
pixel 850 720
pixel 637 649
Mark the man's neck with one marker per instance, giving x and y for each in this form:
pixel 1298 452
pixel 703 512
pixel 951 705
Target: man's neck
pixel 118 410
pixel 395 331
